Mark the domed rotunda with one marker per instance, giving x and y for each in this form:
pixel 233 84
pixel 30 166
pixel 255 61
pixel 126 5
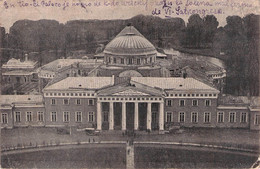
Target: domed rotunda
pixel 130 48
pixel 130 54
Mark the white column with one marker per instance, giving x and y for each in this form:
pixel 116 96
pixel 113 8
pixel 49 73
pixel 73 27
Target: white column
pixel 161 116
pixel 99 122
pixel 123 115
pixel 136 116
pixel 149 116
pixel 111 116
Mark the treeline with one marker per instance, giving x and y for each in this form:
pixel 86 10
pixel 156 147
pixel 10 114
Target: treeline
pixel 237 43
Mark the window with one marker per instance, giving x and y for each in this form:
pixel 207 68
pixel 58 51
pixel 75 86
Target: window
pixel 122 61
pixel 40 116
pixel 90 102
pixel 91 116
pixel 232 117
pixel 105 116
pixel 66 101
pixel 114 60
pixel 220 117
pixel 154 116
pixel 151 59
pixel 169 117
pixel 207 117
pixel 18 116
pixel 257 119
pixel 168 102
pixel 138 61
pixel 53 116
pixel 181 117
pixel 78 101
pixel 207 102
pixel 194 102
pixel 130 61
pixel 182 103
pixel 78 117
pixel 194 117
pixel 28 116
pixel 66 117
pixel 53 101
pixel 243 118
pixel 4 118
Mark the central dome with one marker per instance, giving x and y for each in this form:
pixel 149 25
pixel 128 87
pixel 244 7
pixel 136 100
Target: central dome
pixel 130 42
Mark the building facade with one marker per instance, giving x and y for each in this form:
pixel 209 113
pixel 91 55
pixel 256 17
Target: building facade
pixel 138 103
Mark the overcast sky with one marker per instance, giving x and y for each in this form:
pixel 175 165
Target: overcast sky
pixel 120 10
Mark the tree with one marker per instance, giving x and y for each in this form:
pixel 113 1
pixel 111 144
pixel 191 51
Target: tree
pixel 194 31
pixel 210 25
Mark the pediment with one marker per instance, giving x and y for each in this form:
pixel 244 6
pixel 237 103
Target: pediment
pixel 130 92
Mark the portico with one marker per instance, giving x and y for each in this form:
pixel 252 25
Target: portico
pixel 130 111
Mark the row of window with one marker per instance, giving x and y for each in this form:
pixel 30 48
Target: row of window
pixel 192 95
pixel 78 116
pixel 69 94
pixel 182 103
pixel 47 75
pixel 130 61
pixel 77 101
pixel 147 98
pixel 29 118
pixel 53 116
pixel 207 117
pixel 169 117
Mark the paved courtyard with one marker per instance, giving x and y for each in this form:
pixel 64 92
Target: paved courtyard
pixel 42 136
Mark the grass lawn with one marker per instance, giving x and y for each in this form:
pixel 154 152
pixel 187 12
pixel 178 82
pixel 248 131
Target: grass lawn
pixel 81 157
pixel 148 156
pixel 166 157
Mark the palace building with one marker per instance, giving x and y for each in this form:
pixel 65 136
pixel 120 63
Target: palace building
pixel 129 91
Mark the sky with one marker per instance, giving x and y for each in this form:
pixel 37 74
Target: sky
pixel 65 10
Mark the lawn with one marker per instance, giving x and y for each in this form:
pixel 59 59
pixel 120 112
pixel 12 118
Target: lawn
pixel 169 157
pixel 114 156
pixel 76 157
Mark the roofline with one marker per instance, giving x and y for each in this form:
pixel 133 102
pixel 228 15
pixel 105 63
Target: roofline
pixel 232 107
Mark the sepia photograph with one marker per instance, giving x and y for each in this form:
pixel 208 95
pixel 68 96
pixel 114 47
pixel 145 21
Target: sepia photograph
pixel 129 84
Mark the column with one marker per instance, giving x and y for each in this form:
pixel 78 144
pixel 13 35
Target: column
pixel 99 122
pixel 123 115
pixel 136 116
pixel 111 115
pixel 149 116
pixel 161 116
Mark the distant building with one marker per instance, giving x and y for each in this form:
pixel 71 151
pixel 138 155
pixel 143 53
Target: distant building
pixel 19 75
pixel 16 71
pixel 61 68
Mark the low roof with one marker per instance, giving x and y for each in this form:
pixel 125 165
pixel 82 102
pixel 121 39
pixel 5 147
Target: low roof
pixel 177 83
pixel 56 65
pixel 17 73
pixel 233 100
pixel 161 55
pixel 82 83
pixel 10 99
pixel 17 63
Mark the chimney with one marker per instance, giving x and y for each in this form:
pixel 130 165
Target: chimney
pixel 113 80
pixel 26 57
